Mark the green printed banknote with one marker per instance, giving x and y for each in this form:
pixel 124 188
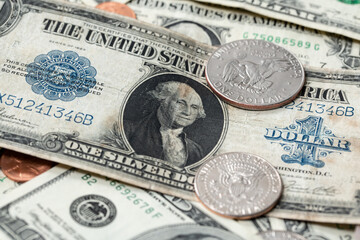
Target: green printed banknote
pixel 216 25
pixel 95 207
pixel 129 101
pixel 6 184
pixel 335 16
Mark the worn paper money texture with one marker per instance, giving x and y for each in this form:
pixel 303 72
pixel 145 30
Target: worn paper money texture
pixel 101 200
pixel 96 207
pixel 84 89
pixel 216 25
pixel 129 101
pixel 6 184
pixel 337 16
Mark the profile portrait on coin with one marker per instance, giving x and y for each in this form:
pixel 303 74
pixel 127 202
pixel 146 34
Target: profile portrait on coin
pixel 195 30
pixel 166 118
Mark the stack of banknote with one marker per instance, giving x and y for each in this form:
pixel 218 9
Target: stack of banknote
pixel 85 88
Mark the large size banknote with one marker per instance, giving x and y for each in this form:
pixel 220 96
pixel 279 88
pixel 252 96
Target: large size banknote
pixel 130 101
pixel 76 205
pixel 87 70
pixel 215 25
pixel 337 16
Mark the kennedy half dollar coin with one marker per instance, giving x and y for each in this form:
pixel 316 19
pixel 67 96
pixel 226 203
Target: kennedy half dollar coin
pixel 238 185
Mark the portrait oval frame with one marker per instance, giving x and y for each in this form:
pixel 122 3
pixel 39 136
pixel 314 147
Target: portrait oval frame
pixel 11 13
pixel 215 39
pixel 155 79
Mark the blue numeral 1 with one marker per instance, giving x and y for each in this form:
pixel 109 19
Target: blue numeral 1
pixel 18 106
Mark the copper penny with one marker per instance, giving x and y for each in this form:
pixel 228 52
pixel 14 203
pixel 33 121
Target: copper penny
pixel 238 185
pixel 255 74
pixel 118 8
pixel 21 167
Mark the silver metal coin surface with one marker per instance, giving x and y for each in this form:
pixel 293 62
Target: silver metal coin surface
pixel 281 235
pixel 238 185
pixel 255 74
pixel 187 231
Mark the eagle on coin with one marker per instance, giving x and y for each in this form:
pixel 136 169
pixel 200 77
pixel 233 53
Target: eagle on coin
pixel 253 76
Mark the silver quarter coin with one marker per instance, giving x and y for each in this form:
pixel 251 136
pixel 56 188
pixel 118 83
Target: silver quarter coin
pixel 255 74
pixel 187 231
pixel 281 235
pixel 238 185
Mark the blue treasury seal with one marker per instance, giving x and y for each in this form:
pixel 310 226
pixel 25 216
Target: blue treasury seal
pixel 61 75
pixel 93 210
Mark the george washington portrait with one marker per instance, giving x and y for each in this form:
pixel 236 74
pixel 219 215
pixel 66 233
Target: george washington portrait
pixel 173 119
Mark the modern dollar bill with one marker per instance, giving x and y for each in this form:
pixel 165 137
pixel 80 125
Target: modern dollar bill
pixel 6 184
pixel 94 207
pixel 129 100
pixel 216 25
pixel 338 16
pixel 308 230
pixel 111 202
